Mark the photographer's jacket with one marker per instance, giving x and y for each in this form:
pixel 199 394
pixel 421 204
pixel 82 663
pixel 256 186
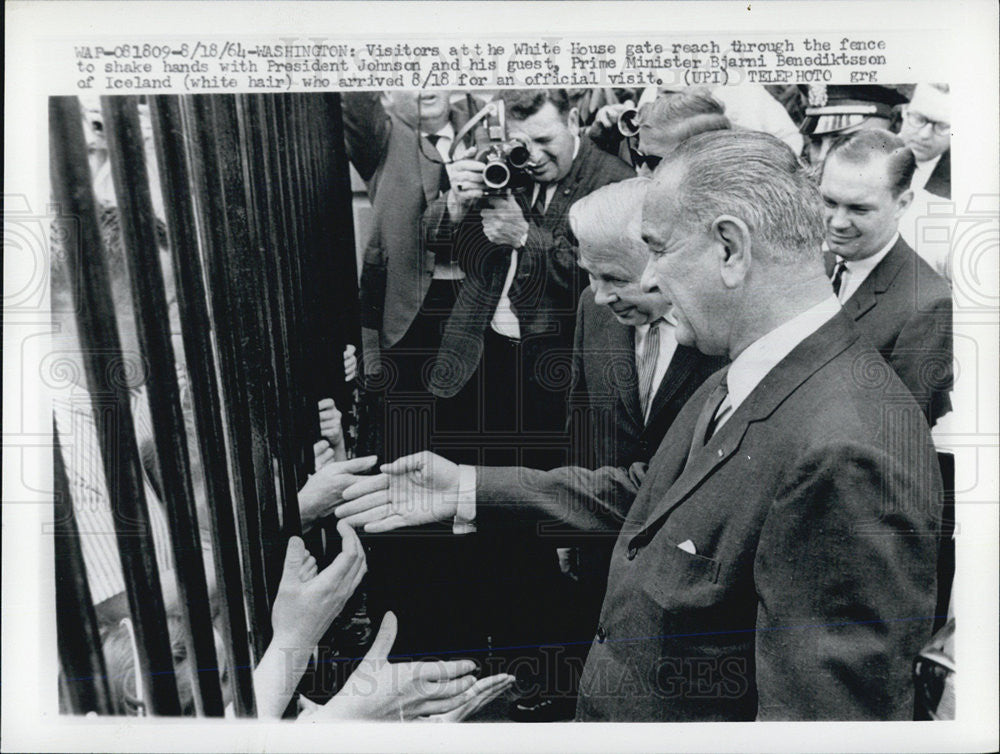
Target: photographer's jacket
pixel 546 285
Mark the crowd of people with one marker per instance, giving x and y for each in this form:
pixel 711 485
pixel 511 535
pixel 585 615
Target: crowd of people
pixel 654 427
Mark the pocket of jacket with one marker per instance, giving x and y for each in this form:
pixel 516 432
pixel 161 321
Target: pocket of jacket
pixel 678 576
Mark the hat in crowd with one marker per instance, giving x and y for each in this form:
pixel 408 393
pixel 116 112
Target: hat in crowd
pixel 842 107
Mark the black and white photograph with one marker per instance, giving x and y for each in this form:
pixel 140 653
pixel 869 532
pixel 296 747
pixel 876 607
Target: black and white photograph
pixel 505 393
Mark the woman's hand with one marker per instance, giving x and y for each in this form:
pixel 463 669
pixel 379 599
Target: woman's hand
pixel 380 690
pixel 307 600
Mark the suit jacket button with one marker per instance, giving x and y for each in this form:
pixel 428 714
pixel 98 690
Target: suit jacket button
pixel 632 552
pixel 602 634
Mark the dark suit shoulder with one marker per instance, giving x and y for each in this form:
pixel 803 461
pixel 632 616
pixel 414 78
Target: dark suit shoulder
pixel 599 167
pixel 849 399
pixel 927 286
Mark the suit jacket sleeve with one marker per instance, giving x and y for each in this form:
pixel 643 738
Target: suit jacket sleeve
pixel 845 587
pixel 582 500
pixel 922 357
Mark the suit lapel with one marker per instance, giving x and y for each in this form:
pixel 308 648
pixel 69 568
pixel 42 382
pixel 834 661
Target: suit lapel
pixel 866 296
pixel 681 366
pixel 804 360
pixel 622 339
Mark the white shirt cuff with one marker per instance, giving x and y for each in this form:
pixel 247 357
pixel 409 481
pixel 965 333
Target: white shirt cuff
pixel 465 511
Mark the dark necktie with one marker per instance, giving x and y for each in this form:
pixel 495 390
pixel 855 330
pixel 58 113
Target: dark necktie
pixel 647 365
pixel 838 276
pixel 709 417
pixel 538 208
pixel 443 184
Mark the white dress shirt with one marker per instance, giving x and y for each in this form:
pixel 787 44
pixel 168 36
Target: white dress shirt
pixel 88 489
pixel 855 271
pixel 446 135
pixel 922 172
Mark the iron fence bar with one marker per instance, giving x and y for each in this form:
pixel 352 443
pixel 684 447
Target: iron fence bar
pixel 205 146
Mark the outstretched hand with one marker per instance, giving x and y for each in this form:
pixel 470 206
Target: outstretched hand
pixel 411 491
pixel 308 599
pixel 485 690
pixel 380 690
pixel 322 491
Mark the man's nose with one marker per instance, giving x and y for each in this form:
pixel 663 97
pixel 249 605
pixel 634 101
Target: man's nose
pixel 648 281
pixel 602 295
pixel 839 219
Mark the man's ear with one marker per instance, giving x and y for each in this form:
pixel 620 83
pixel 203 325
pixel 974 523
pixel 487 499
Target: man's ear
pixel 732 239
pixel 903 203
pixel 573 119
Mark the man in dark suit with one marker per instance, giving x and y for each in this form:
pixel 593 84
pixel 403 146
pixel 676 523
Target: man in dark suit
pixel 899 303
pixel 776 560
pixel 399 143
pixel 630 376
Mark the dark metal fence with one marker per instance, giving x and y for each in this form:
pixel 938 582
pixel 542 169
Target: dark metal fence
pixel 257 209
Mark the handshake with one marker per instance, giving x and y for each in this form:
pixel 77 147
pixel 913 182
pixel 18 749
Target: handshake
pixel 411 491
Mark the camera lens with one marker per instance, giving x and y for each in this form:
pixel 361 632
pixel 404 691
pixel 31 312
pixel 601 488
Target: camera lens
pixel 518 155
pixel 628 122
pixel 496 174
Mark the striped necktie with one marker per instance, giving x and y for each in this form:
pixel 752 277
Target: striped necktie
pixel 647 365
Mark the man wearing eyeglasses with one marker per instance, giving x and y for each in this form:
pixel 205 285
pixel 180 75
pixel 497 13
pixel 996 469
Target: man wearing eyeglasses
pixel 926 130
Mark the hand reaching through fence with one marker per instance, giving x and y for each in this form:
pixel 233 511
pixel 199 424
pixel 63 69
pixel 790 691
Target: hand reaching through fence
pixel 350 363
pixel 307 602
pixel 322 491
pixel 394 692
pixel 322 454
pixel 331 429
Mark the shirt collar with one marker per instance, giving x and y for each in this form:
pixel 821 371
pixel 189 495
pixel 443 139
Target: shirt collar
pixel 641 330
pixel 447 131
pixel 866 265
pixel 761 356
